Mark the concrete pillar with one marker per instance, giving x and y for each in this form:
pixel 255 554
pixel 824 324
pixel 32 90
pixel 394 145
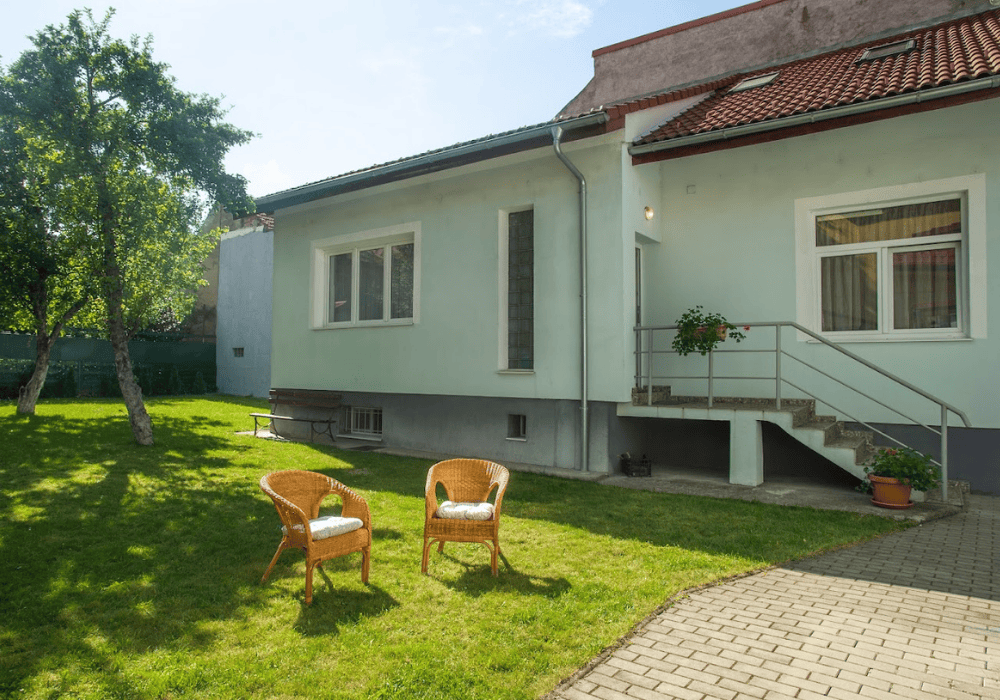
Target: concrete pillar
pixel 746 449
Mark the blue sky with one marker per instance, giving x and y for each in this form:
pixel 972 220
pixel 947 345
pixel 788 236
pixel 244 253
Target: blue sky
pixel 336 85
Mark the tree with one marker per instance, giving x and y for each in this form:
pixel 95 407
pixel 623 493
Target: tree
pixel 42 282
pixel 142 158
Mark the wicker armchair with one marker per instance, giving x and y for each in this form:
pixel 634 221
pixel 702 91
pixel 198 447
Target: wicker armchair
pixel 297 496
pixel 468 483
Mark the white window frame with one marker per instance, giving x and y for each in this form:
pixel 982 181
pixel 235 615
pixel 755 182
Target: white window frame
pixel 351 416
pixel 324 250
pixel 503 239
pixel 970 261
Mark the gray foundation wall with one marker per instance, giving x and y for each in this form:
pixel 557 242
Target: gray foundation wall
pixel 973 453
pixel 478 427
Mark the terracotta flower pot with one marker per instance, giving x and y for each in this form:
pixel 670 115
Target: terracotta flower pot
pixel 720 332
pixel 889 492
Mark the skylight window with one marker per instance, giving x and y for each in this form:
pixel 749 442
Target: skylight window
pixel 756 82
pixel 893 49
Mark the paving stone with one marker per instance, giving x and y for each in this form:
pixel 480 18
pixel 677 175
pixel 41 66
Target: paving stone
pixel 915 614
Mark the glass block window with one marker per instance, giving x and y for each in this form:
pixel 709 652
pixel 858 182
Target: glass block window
pixel 520 290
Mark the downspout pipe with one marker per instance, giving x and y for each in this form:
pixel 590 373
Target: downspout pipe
pixel 557 133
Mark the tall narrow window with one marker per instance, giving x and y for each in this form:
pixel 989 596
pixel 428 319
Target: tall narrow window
pixel 371 280
pixel 520 290
pixel 401 281
pixel 340 287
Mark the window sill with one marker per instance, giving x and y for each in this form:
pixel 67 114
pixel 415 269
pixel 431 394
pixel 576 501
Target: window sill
pixel 902 338
pixel 372 324
pixel 356 436
pixel 517 439
pixel 516 372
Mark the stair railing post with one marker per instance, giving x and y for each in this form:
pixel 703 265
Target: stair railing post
pixel 638 358
pixel 649 368
pixel 711 374
pixel 777 366
pixel 944 454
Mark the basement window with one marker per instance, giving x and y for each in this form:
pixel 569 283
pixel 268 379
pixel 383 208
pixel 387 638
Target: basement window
pixel 751 83
pixel 364 422
pixel 517 426
pixel 877 52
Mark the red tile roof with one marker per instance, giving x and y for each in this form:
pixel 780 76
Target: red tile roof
pixel 265 220
pixel 952 52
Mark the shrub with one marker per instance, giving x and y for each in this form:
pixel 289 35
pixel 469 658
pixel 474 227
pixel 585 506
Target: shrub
pixel 175 386
pixel 199 386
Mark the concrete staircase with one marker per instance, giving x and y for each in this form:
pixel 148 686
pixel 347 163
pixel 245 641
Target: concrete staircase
pixel 824 435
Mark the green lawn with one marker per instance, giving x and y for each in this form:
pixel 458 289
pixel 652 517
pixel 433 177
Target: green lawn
pixel 132 572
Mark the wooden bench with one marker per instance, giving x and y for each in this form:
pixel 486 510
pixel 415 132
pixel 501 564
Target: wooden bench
pixel 314 399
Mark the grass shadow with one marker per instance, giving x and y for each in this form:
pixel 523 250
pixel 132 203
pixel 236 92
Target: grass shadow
pixel 334 607
pixel 121 541
pixel 477 580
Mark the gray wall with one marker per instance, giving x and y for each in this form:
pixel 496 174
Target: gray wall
pixel 973 453
pixel 244 312
pixel 469 426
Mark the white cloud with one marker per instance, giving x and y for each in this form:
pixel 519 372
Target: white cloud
pixel 561 18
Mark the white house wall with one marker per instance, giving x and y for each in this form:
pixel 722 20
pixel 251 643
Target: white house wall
pixel 729 238
pixel 453 347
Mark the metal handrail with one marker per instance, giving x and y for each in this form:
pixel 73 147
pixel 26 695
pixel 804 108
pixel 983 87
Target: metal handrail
pixel 646 350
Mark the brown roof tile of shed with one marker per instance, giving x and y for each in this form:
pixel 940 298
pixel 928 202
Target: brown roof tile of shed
pixel 951 52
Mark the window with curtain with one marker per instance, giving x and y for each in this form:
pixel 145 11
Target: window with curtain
pixel 888 269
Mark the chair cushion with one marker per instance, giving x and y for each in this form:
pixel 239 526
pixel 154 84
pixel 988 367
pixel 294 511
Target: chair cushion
pixel 465 511
pixel 329 526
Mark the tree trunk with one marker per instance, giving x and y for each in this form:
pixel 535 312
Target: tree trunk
pixel 112 284
pixel 27 397
pixel 138 417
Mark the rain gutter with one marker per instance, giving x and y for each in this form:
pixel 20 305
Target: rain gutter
pixel 909 98
pixel 557 134
pixel 435 161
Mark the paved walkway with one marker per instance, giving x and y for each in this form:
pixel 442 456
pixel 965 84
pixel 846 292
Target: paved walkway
pixel 912 615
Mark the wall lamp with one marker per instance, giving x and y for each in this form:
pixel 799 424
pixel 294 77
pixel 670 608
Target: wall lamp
pixel 648 213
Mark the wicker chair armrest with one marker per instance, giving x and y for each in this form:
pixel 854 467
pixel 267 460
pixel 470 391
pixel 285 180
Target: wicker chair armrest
pixel 500 482
pixel 357 507
pixel 430 495
pixel 289 513
pixel 354 506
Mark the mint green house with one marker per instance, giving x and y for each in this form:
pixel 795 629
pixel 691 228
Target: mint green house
pixel 835 188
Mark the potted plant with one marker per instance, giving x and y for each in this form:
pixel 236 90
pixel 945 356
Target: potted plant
pixel 894 472
pixel 700 332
